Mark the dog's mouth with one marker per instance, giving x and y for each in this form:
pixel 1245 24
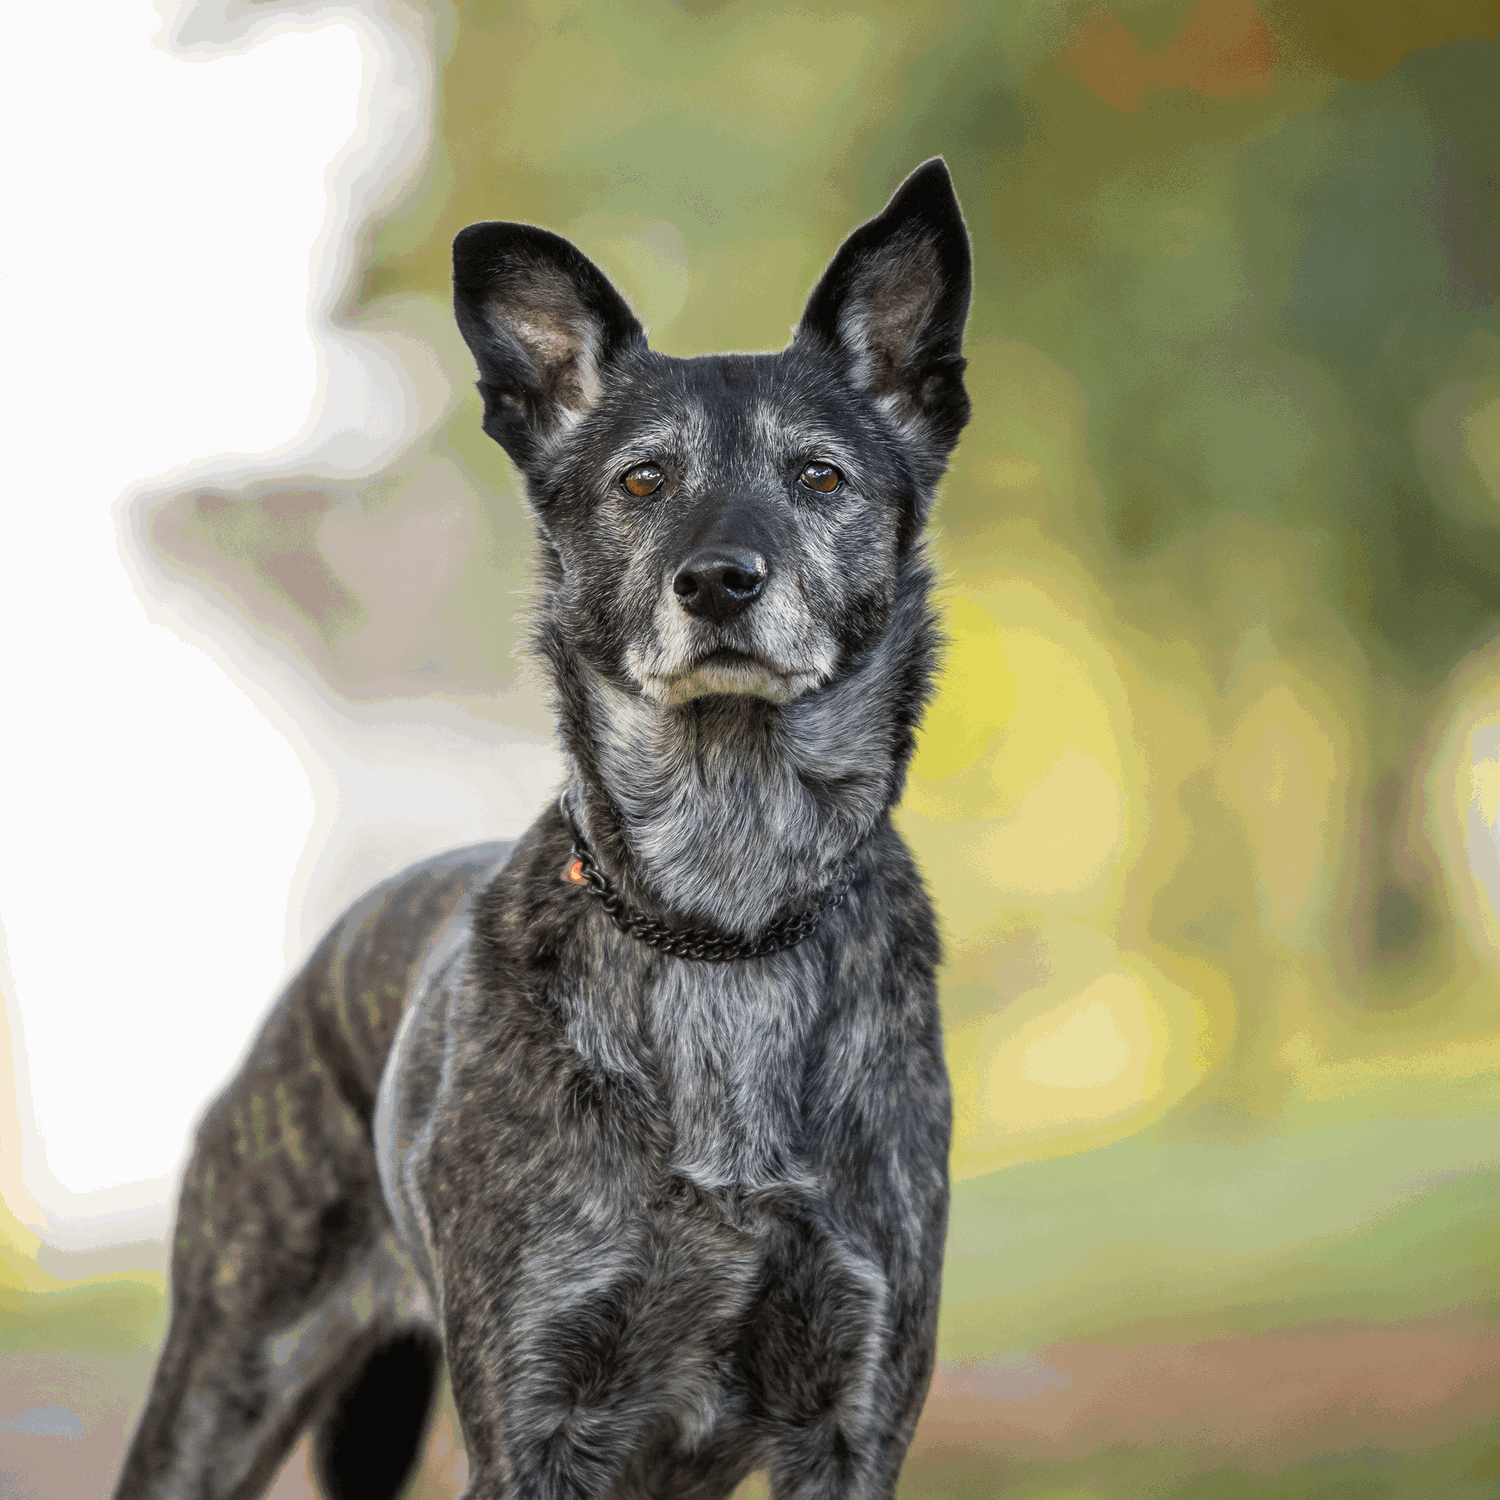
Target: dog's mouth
pixel 725 670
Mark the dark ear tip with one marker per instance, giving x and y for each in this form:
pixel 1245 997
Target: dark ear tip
pixel 475 247
pixel 934 169
pixel 471 233
pixel 929 187
pixel 480 248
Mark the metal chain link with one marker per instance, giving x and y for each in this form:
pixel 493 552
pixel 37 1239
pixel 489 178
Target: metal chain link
pixel 702 944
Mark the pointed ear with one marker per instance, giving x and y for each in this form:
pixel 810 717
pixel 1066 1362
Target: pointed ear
pixel 543 322
pixel 893 304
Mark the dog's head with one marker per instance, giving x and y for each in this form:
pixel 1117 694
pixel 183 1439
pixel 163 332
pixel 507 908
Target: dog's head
pixel 731 523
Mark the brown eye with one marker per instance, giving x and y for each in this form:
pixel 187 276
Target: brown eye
pixel 823 478
pixel 644 479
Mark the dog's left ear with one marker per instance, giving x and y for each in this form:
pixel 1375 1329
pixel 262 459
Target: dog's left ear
pixel 893 303
pixel 543 323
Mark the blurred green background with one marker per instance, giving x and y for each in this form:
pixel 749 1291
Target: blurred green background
pixel 1208 798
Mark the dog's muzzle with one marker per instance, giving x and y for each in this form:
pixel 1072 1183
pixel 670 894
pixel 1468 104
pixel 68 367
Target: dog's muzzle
pixel 730 673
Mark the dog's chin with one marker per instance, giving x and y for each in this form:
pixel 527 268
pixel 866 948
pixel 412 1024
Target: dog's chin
pixel 727 673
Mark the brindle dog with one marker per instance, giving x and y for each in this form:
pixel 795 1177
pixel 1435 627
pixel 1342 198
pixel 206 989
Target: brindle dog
pixel 642 1125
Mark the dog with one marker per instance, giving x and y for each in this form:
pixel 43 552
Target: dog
pixel 640 1126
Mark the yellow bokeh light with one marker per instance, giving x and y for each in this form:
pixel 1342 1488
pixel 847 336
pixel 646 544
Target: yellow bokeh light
pixel 1021 751
pixel 1084 1051
pixel 1061 839
pixel 1082 1059
pixel 1089 1060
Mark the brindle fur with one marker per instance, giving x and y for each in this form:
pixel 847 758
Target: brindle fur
pixel 668 1220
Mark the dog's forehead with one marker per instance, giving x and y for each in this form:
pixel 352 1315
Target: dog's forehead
pixel 724 408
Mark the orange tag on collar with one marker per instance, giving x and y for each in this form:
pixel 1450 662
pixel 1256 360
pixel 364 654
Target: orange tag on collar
pixel 575 872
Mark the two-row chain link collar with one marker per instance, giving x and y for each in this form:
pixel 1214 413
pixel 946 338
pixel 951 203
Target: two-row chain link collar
pixel 701 943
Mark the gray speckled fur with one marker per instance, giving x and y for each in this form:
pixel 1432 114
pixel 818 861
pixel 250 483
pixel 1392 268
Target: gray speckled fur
pixel 670 1220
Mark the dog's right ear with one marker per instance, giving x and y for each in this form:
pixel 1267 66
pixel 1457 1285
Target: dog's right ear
pixel 543 322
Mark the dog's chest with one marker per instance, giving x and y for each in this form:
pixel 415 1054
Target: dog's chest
pixel 731 1042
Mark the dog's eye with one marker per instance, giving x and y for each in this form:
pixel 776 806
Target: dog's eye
pixel 823 478
pixel 644 479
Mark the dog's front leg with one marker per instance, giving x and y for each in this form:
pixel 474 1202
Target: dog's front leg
pixel 550 1391
pixel 589 1321
pixel 820 1365
pixel 544 1267
pixel 847 1418
pixel 847 1328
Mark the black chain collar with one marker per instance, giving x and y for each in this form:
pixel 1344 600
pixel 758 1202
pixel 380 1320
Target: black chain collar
pixel 701 943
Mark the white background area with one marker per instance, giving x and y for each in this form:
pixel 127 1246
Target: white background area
pixel 182 224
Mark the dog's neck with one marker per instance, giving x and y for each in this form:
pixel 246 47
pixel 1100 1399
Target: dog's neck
pixel 731 811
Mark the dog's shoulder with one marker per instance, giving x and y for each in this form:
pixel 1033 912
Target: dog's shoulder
pixel 874 1069
pixel 393 922
pixel 544 966
pixel 337 1015
pixel 525 915
pixel 366 970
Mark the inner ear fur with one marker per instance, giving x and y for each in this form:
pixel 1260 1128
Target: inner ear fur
pixel 893 303
pixel 542 321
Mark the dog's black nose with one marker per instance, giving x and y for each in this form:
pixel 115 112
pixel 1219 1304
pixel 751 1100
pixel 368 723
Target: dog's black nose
pixel 719 582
